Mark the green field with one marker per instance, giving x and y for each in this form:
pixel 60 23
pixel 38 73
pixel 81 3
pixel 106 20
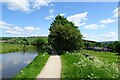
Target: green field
pixel 13 44
pixel 110 57
pixel 34 68
pixel 6 47
pixel 76 65
pixel 10 48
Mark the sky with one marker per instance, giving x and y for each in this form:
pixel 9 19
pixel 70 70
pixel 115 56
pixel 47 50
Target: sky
pixel 97 21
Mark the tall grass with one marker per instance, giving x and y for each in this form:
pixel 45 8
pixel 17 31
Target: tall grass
pixel 75 65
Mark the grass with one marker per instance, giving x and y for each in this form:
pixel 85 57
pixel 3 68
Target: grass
pixel 34 68
pixel 6 48
pixel 110 57
pixel 75 65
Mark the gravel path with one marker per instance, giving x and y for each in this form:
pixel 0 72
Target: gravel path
pixel 52 68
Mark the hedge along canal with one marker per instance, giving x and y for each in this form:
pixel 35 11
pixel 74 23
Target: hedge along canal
pixel 13 62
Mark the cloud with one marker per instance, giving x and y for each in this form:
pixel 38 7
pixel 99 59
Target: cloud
pixel 17 30
pixel 62 14
pixel 109 36
pixel 107 21
pixel 51 5
pixel 78 19
pixel 12 32
pixel 38 3
pixel 31 29
pixel 89 37
pixel 116 12
pixel 22 5
pixel 51 11
pixel 93 26
pixel 25 5
pixel 4 25
pixel 49 17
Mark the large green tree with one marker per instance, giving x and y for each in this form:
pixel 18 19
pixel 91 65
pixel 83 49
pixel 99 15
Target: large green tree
pixel 64 35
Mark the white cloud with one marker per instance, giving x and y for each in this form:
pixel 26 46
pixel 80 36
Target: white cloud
pixel 51 5
pixel 15 30
pixel 93 26
pixel 107 21
pixel 89 37
pixel 38 3
pixel 4 25
pixel 109 36
pixel 12 32
pixel 62 14
pixel 25 5
pixel 78 19
pixel 22 5
pixel 18 29
pixel 31 29
pixel 116 12
pixel 49 17
pixel 51 11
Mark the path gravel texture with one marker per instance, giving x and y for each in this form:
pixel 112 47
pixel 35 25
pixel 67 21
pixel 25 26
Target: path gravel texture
pixel 52 68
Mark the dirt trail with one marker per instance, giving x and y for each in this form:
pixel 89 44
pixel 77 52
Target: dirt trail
pixel 52 68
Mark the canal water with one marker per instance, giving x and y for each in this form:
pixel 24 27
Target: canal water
pixel 13 62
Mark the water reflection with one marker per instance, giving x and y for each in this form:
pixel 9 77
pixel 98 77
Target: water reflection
pixel 12 63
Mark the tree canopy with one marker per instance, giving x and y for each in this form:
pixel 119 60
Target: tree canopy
pixel 64 35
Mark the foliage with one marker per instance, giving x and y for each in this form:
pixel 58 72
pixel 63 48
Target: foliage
pixel 114 46
pixel 117 47
pixel 64 35
pixel 40 43
pixel 75 65
pixel 111 45
pixel 89 44
pixel 98 44
pixel 19 40
pixel 34 68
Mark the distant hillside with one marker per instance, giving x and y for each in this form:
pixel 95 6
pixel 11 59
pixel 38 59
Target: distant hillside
pixel 106 42
pixel 89 41
pixel 45 37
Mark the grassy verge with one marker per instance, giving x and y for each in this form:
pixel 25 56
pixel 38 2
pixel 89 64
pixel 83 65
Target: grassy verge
pixel 34 68
pixel 75 65
pixel 6 48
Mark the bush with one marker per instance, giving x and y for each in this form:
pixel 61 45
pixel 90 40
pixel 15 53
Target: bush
pixel 40 43
pixel 117 47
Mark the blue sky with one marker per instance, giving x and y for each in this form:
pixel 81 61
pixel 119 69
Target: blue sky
pixel 96 20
